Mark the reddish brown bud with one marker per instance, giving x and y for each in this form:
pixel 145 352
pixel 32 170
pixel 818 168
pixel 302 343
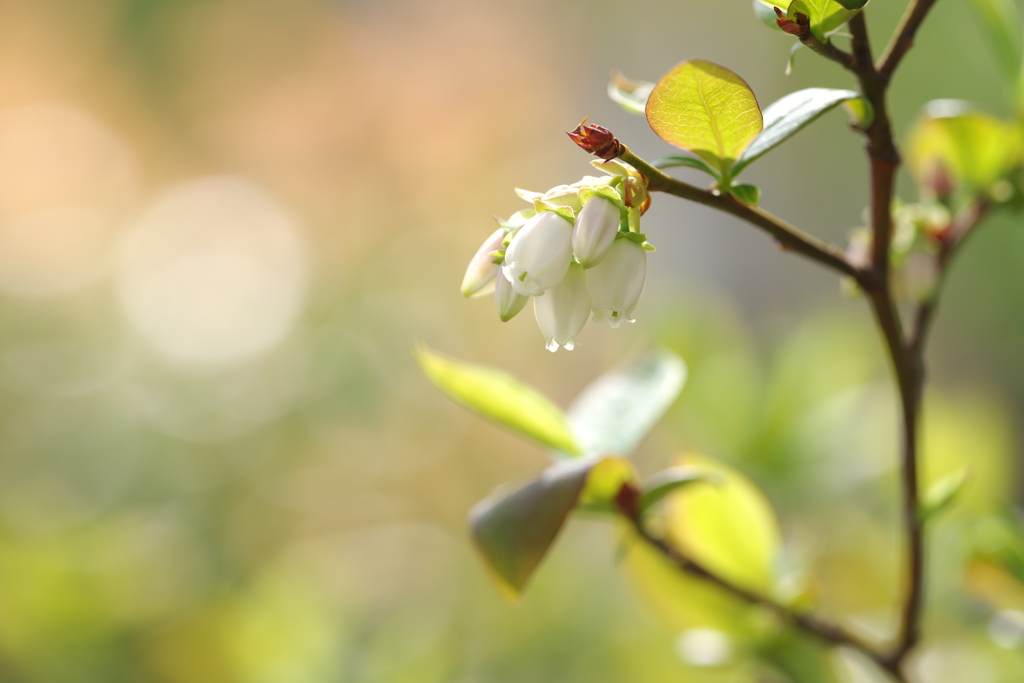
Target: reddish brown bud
pixel 596 140
pixel 799 28
pixel 628 500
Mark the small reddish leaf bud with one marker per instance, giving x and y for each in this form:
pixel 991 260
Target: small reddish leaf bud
pixel 596 140
pixel 799 28
pixel 628 500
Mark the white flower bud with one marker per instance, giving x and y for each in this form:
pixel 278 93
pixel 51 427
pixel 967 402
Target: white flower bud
pixel 595 230
pixel 482 269
pixel 509 301
pixel 539 254
pixel 563 310
pixel 616 283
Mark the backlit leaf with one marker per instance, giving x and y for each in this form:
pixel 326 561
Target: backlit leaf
pixel 618 409
pixel 667 481
pixel 500 397
pixel 975 149
pixel 787 116
pixel 705 109
pixel 943 493
pixel 730 527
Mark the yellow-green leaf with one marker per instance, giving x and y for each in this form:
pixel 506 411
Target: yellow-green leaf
pixel 500 397
pixel 730 527
pixel 974 149
pixel 706 109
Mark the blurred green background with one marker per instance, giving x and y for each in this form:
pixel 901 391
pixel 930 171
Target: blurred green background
pixel 223 225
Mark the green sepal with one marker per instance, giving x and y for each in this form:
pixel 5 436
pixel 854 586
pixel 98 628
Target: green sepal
pixel 527 195
pixel 606 191
pixel 637 237
pixel 565 212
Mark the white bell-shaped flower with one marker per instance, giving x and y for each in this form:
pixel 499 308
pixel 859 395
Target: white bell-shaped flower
pixel 595 230
pixel 563 310
pixel 616 283
pixel 482 269
pixel 539 254
pixel 509 301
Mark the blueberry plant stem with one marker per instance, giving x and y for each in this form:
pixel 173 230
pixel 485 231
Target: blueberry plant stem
pixel 788 237
pixel 821 628
pixel 905 350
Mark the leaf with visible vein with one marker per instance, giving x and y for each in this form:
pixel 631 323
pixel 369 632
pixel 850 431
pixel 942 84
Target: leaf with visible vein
pixel 706 109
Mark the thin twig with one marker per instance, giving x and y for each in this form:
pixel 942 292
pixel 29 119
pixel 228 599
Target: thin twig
pixel 962 228
pixel 788 236
pixel 825 630
pixel 903 38
pixel 907 358
pixel 829 51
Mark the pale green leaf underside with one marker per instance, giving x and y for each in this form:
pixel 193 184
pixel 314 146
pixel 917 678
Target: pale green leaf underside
pixel 501 398
pixel 629 94
pixel 786 116
pixel 705 109
pixel 514 530
pixel 616 411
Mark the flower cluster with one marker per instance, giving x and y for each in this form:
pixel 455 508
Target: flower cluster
pixel 577 250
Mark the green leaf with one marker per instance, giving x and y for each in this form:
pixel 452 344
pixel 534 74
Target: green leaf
pixel 658 487
pixel 976 149
pixel 731 527
pixel 690 162
pixel 852 4
pixel 501 398
pixel 513 531
pixel 629 94
pixel 618 409
pixel 705 109
pixel 785 117
pixel 746 193
pixel 943 493
pixel 825 15
pixel 1001 25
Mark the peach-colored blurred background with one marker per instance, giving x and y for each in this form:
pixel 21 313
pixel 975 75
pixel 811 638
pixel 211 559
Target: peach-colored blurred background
pixel 225 223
